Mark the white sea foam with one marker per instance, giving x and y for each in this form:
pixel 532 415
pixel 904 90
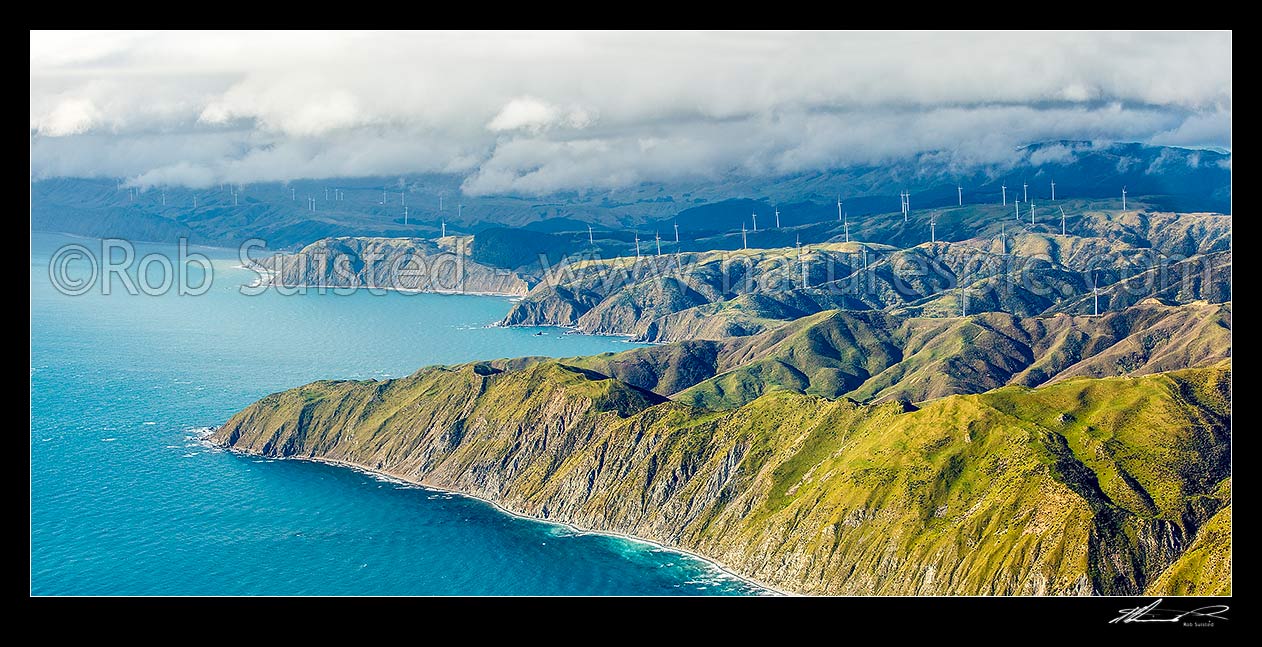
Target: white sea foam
pixel 382 478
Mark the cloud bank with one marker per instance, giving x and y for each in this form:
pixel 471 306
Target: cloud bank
pixel 539 113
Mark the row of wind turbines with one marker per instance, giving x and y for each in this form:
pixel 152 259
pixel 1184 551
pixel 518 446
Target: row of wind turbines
pixel 905 200
pixel 331 194
pixel 337 195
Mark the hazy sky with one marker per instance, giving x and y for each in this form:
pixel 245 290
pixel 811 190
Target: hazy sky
pixel 534 113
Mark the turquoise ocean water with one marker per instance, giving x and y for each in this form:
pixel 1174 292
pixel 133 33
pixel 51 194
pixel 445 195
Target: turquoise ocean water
pixel 125 500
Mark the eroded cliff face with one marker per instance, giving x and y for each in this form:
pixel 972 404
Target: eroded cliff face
pixel 1078 487
pixel 407 264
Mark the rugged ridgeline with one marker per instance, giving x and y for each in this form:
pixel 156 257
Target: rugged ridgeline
pixel 877 356
pixel 410 264
pixel 1090 485
pixel 1017 269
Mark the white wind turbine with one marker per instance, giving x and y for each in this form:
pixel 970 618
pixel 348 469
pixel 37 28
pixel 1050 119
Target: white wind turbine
pixel 443 224
pixel 1062 221
pixel 839 215
pixel 591 238
pixel 777 217
pixel 959 188
pixel 1025 193
pixel 806 283
pixel 933 231
pixel 658 237
pixel 637 245
pixel 1003 188
pixel 676 234
pixel 845 223
pixel 1095 293
pixel 744 237
pixel 755 216
pixel 1123 198
pixel 1053 190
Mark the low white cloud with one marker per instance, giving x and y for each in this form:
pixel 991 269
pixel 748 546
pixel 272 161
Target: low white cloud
pixel 535 116
pixel 1199 129
pixel 177 174
pixel 536 113
pixel 67 117
pixel 525 113
pixel 1054 154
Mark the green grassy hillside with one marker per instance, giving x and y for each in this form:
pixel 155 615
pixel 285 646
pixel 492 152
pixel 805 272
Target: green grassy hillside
pixel 874 356
pixel 1205 567
pixel 1078 487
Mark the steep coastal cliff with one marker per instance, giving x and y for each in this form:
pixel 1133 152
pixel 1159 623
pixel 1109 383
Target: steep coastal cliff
pixel 408 264
pixel 1079 487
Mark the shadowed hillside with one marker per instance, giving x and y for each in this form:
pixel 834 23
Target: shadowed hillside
pixel 871 356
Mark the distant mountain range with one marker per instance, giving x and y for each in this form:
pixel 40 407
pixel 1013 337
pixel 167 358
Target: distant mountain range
pixel 293 215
